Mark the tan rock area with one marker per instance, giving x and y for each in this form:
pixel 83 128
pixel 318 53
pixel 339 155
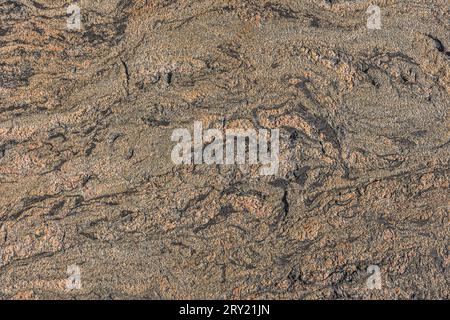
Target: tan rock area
pixel 93 206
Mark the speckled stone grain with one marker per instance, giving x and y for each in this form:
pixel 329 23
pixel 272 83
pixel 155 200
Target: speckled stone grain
pixel 86 176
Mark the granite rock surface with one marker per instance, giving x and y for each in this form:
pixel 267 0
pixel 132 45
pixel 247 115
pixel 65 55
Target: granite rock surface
pixel 86 177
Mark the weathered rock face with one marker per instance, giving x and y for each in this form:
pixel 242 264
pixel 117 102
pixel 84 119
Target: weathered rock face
pixel 86 176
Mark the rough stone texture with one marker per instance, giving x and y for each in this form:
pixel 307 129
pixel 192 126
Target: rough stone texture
pixel 86 176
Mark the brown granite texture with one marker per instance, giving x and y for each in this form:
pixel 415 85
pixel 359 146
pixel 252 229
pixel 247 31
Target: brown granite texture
pixel 86 176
